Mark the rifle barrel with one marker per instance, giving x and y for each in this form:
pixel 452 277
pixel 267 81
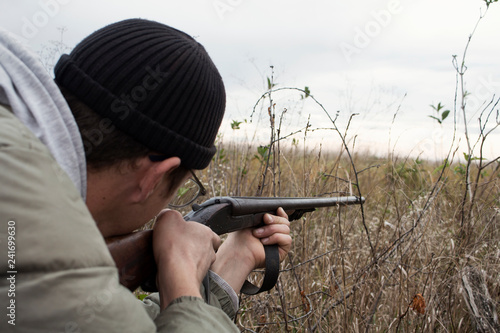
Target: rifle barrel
pixel 249 205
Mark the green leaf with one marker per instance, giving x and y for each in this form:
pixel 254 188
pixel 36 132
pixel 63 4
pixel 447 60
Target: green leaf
pixel 235 125
pixel 181 191
pixel 441 115
pixel 307 92
pixel 442 166
pixel 459 169
pixel 262 150
pixel 438 107
pixel 438 120
pixel 472 158
pixel 270 85
pixel 445 114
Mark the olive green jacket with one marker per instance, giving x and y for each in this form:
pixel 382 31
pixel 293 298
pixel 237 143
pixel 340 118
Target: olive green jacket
pixel 56 272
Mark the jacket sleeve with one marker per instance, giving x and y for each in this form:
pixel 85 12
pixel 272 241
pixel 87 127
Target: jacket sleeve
pixel 66 280
pixel 189 314
pixel 221 296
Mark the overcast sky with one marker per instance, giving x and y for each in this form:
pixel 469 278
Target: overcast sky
pixel 371 57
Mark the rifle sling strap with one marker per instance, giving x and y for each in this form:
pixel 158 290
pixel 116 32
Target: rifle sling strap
pixel 271 273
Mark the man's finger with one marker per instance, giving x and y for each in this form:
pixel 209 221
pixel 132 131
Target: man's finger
pixel 273 219
pixel 271 229
pixel 216 241
pixel 281 240
pixel 281 212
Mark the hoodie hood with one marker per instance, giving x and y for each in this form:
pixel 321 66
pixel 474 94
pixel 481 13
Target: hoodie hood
pixel 37 102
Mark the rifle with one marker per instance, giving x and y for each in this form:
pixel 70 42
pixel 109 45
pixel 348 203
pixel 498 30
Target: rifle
pixel 133 253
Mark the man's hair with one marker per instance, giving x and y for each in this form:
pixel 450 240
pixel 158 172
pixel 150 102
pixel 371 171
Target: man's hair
pixel 104 144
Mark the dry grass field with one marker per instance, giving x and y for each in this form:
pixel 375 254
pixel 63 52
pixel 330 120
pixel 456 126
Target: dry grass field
pixel 421 254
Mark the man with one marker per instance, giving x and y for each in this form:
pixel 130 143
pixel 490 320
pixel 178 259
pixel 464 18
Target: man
pixel 145 104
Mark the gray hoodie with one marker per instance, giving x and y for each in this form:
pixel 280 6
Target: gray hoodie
pixel 35 99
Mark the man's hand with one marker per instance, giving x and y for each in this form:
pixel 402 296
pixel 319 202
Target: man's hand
pixel 183 253
pixel 276 231
pixel 243 250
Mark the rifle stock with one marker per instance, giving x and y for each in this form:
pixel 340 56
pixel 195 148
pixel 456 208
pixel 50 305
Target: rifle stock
pixel 133 253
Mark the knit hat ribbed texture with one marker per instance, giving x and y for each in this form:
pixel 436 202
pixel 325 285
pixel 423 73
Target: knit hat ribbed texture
pixel 155 83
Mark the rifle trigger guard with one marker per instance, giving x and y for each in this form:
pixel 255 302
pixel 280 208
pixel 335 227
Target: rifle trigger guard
pixel 271 273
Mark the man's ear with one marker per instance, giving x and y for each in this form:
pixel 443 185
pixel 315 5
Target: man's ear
pixel 153 174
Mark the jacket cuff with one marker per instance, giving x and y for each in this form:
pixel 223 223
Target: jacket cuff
pixel 192 314
pixel 231 296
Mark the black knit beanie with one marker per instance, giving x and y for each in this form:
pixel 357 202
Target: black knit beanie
pixel 155 83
